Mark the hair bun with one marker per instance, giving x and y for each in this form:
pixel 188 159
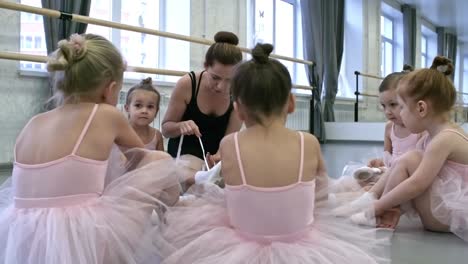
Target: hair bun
pixel 147 81
pixel 68 52
pixel 226 37
pixel 443 65
pixel 261 52
pixel 408 68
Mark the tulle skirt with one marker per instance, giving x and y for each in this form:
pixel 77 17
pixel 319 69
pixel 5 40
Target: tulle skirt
pixel 114 227
pixel 201 233
pixel 449 199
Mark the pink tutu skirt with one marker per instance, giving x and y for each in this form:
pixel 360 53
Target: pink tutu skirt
pixel 201 233
pixel 449 198
pixel 114 227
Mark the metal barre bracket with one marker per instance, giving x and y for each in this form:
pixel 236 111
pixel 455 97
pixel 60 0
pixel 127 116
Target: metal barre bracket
pixel 66 16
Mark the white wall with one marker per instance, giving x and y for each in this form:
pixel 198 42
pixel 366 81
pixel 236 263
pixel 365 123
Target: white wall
pixel 21 97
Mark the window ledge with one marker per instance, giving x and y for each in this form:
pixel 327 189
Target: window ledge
pixel 33 73
pixel 128 81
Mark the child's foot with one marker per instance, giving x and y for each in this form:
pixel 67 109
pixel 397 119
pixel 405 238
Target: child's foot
pixel 363 219
pixel 208 176
pixel 186 199
pixel 355 206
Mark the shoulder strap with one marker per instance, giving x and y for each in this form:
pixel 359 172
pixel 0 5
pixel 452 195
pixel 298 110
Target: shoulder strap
pixel 239 161
pixel 301 164
pixel 85 129
pixel 456 132
pixel 193 78
pixel 198 85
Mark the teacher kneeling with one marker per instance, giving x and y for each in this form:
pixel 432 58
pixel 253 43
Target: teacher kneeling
pixel 201 105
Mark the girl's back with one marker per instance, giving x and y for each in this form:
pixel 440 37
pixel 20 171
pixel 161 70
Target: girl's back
pixel 281 202
pixel 58 209
pixel 53 135
pixel 270 159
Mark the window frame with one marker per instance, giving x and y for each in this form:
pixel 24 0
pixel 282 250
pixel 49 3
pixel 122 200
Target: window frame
pixel 464 87
pixel 296 17
pixel 392 42
pixel 425 55
pixel 114 37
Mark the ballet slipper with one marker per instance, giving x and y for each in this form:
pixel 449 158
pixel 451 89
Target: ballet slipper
pixel 186 199
pixel 355 206
pixel 208 176
pixel 362 218
pixel 366 173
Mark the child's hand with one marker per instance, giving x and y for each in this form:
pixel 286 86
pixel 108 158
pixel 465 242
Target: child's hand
pixel 389 218
pixel 376 163
pixel 213 159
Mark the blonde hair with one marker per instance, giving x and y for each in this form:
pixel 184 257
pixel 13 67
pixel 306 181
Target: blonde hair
pixel 82 64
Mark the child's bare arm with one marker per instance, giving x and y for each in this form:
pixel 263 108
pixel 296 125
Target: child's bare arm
pixel 379 162
pixel 160 140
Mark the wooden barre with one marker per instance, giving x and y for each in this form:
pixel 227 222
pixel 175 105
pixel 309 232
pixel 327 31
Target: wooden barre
pixel 368 75
pixel 43 59
pixel 368 95
pixel 100 22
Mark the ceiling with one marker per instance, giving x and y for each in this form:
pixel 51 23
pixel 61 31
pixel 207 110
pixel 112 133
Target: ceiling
pixel 452 14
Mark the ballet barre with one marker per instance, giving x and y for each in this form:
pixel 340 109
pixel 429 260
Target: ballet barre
pixel 111 24
pixel 357 93
pixel 457 107
pixel 89 20
pixel 43 59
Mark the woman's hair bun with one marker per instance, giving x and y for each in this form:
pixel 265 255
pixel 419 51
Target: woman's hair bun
pixel 226 37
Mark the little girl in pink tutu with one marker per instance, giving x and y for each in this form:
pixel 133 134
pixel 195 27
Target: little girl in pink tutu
pixel 58 209
pixel 142 106
pixel 433 182
pixel 274 207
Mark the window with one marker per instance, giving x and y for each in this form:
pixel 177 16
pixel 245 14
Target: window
pixel 391 36
pixel 144 50
pixel 387 49
pixel 138 49
pixel 37 42
pixel 32 39
pixel 277 21
pixel 424 59
pixel 28 44
pixel 428 44
pixel 352 49
pixel 465 75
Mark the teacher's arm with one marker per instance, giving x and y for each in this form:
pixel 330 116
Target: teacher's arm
pixel 172 126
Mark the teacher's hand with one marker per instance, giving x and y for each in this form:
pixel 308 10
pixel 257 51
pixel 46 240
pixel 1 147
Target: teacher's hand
pixel 189 128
